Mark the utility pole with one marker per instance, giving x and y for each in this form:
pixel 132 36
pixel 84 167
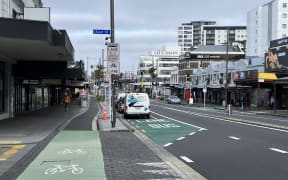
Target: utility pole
pixel 226 59
pixel 112 38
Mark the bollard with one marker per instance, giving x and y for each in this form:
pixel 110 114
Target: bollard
pixel 229 109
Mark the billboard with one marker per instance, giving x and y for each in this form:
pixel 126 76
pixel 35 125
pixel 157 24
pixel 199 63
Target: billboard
pixel 276 60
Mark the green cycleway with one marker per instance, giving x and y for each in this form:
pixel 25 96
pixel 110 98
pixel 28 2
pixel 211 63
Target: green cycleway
pixel 163 131
pixel 70 155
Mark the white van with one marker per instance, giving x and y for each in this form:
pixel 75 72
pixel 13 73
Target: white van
pixel 137 104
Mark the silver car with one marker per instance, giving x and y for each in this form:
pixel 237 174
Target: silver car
pixel 173 100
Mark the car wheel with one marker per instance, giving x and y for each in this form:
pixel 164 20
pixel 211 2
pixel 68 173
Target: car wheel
pixel 148 116
pixel 125 116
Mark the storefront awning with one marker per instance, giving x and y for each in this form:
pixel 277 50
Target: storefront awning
pixel 262 77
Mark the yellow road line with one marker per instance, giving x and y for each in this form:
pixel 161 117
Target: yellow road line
pixel 13 150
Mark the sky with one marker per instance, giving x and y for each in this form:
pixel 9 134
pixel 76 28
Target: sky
pixel 140 26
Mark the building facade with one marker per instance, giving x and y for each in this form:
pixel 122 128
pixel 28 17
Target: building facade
pixel 190 34
pixel 162 61
pixel 217 35
pixel 265 23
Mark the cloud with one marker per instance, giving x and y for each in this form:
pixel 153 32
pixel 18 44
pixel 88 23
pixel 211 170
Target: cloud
pixel 141 26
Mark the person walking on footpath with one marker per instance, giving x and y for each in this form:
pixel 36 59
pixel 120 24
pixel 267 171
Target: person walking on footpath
pixel 66 101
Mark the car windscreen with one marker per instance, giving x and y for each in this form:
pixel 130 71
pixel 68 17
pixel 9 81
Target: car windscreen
pixel 132 99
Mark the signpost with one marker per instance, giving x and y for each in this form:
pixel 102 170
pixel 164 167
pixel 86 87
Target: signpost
pixel 101 31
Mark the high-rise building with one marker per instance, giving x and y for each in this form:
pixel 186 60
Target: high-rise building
pixel 265 23
pixel 217 35
pixel 190 34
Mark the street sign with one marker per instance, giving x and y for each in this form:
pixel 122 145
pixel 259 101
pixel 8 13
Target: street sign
pixel 113 57
pixel 101 31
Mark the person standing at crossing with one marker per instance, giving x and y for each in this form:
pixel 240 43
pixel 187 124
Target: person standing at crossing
pixel 66 101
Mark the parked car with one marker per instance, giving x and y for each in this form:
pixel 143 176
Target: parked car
pixel 137 104
pixel 173 100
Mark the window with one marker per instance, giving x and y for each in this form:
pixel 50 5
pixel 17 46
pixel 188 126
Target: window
pixel 284 26
pixel 284 5
pixel 284 15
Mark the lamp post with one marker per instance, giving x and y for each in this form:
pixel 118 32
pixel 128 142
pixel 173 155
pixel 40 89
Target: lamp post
pixel 226 59
pixel 112 38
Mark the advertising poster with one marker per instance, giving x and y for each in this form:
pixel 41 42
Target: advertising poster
pixel 276 60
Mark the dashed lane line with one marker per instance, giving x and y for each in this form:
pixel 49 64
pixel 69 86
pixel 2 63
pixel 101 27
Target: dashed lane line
pixel 233 137
pixel 186 159
pixel 278 150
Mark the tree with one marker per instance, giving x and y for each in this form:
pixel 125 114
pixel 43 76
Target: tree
pixel 99 72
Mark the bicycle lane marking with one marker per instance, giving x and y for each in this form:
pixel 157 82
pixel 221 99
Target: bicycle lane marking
pixel 70 155
pixel 164 131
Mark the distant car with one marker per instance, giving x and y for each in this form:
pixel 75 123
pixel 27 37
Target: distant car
pixel 137 104
pixel 173 100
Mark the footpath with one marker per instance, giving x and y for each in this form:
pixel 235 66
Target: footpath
pixel 79 151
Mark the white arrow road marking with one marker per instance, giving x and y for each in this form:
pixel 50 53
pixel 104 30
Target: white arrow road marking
pixel 168 144
pixel 233 137
pixel 192 133
pixel 278 150
pixel 186 159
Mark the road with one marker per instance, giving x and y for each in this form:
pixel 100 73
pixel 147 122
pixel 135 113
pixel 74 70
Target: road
pixel 218 146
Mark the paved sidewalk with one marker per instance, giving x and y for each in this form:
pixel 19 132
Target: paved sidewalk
pixel 130 155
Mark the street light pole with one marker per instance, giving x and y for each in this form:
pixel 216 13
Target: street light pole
pixel 112 38
pixel 226 59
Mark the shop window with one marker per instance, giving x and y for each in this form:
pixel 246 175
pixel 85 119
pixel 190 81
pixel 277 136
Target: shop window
pixel 2 100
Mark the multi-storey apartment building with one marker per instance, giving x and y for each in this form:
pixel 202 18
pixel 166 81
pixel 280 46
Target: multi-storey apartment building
pixel 265 23
pixel 217 35
pixel 190 34
pixel 207 33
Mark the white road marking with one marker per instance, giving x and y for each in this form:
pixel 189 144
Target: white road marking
pixel 168 144
pixel 278 150
pixel 179 139
pixel 233 137
pixel 186 159
pixel 218 118
pixel 179 121
pixel 192 133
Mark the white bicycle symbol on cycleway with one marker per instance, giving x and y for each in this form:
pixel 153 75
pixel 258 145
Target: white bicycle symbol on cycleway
pixel 75 169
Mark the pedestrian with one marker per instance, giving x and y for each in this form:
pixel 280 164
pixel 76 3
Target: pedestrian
pixel 272 101
pixel 66 101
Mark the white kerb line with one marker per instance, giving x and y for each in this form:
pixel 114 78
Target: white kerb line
pixel 168 144
pixel 179 139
